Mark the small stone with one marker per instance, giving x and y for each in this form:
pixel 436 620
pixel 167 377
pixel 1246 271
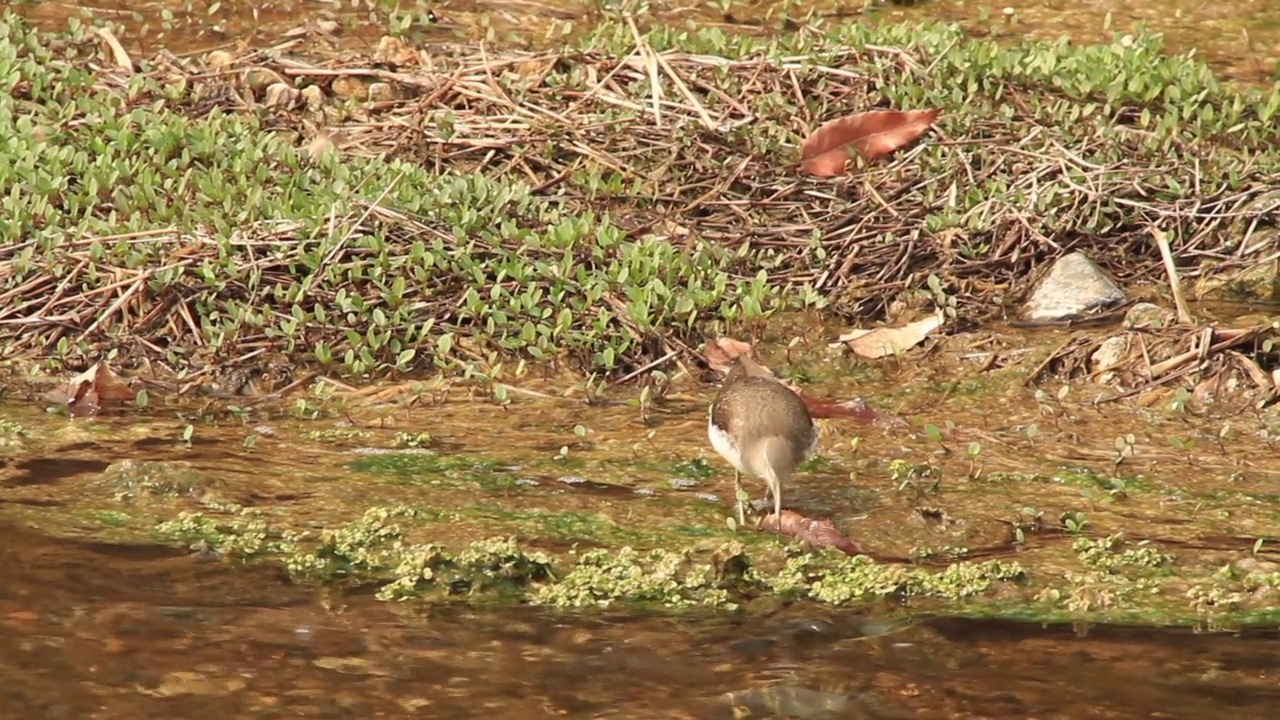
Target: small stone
pixel 1148 315
pixel 382 92
pixel 350 88
pixel 1110 354
pixel 281 95
pixel 313 96
pixel 219 59
pixel 390 48
pixel 1074 286
pixel 260 78
pixel 1254 565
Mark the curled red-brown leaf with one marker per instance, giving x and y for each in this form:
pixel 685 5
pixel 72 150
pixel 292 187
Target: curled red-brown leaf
pixel 872 134
pixel 818 534
pixel 720 353
pixel 91 390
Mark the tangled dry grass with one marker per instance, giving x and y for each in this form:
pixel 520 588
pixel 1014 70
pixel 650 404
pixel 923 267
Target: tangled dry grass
pixel 701 148
pixel 693 140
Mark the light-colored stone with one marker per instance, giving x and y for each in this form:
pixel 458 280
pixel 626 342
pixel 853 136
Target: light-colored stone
pixel 1074 286
pixel 219 59
pixel 281 95
pixel 382 92
pixel 260 78
pixel 1112 353
pixel 1148 315
pixel 351 88
pixel 313 96
pixel 391 48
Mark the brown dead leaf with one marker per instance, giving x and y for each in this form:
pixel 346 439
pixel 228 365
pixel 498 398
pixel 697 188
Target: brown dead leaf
pixel 890 341
pixel 719 353
pixel 93 389
pixel 856 409
pixel 818 534
pixel 872 134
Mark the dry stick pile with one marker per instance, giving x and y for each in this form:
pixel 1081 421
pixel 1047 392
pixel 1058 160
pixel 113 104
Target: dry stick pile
pixel 702 144
pixel 701 147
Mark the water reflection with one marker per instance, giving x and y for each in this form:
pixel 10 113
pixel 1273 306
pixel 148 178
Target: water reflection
pixel 148 632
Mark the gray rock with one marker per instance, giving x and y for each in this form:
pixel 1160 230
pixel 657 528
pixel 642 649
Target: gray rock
pixel 1074 286
pixel 1148 315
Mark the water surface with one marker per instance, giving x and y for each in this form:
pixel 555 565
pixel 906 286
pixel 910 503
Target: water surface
pixel 135 631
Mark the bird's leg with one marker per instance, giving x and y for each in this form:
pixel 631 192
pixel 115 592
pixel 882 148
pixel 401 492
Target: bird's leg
pixel 740 495
pixel 777 506
pixel 775 489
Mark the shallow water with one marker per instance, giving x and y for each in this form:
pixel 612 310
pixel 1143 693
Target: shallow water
pixel 102 622
pixel 1240 38
pixel 99 630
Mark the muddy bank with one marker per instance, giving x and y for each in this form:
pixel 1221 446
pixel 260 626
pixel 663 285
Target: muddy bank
pixel 1239 37
pixel 1052 506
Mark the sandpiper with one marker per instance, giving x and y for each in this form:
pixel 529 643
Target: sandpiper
pixel 761 427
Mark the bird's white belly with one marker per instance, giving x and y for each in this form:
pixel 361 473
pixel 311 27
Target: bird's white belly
pixel 724 445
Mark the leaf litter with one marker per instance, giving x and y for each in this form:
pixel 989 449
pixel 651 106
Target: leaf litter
pixel 472 110
pixel 93 390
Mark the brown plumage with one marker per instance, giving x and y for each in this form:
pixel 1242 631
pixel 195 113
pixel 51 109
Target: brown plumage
pixel 761 427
